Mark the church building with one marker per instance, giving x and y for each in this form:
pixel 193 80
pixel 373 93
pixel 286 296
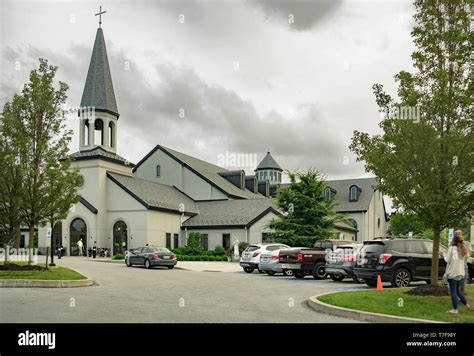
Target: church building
pixel 169 194
pixel 158 201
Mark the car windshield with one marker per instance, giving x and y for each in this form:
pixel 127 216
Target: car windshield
pixel 252 248
pixel 161 249
pixel 376 248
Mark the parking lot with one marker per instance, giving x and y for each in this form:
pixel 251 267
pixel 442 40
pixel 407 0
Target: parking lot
pixel 136 294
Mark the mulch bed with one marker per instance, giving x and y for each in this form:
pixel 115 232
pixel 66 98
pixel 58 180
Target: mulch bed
pixel 14 267
pixel 428 289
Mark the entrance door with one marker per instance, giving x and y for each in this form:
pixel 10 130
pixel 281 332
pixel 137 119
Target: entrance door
pixel 77 231
pixel 120 237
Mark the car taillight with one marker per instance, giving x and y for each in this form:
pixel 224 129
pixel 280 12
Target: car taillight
pixel 256 253
pixel 155 256
pixel 299 258
pixel 384 257
pixel 275 257
pixel 349 258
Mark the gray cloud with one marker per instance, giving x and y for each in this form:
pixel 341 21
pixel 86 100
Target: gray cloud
pixel 306 13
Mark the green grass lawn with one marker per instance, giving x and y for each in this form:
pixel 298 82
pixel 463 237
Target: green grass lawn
pixel 387 302
pixel 54 273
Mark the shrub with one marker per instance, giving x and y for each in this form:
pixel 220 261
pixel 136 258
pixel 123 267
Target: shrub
pixel 207 253
pixel 118 256
pixel 242 247
pixel 204 258
pixel 224 258
pixel 194 244
pixel 219 251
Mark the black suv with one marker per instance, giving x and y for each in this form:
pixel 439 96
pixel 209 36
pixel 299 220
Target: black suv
pixel 398 261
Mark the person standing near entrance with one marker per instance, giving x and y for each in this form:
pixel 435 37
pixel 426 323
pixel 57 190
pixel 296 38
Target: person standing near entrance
pixel 80 245
pixel 455 271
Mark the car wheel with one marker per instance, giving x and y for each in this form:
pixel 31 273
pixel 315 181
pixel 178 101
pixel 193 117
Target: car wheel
pixel 401 278
pixel 299 274
pixel 170 267
pixel 288 272
pixel 337 277
pixel 128 263
pixel 248 269
pixel 370 282
pixel 147 264
pixel 270 273
pixel 358 280
pixel 319 271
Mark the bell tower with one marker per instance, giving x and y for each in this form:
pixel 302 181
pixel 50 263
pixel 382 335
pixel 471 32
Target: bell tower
pixel 98 113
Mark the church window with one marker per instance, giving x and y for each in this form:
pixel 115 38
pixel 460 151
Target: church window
pixel 168 240
pixel 242 180
pixel 158 170
pixel 86 133
pixel 111 134
pixel 327 194
pixel 353 193
pixel 99 132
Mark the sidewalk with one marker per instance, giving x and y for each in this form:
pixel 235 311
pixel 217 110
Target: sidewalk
pixel 204 266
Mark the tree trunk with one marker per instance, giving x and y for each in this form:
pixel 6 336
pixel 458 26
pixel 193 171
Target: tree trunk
pixel 17 238
pixel 31 243
pixel 435 258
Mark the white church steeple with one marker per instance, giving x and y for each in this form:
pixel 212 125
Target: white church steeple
pixel 99 113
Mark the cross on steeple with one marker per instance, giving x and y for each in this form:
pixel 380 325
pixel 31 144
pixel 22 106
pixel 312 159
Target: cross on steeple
pixel 100 15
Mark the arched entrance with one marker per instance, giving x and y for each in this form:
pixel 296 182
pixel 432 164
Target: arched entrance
pixel 120 237
pixel 77 231
pixel 58 234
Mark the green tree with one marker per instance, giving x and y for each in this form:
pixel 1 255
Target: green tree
pixel 308 214
pixel 35 124
pixel 402 223
pixel 194 243
pixel 425 160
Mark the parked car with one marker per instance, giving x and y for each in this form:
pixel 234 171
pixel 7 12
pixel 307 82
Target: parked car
pixel 309 260
pixel 270 262
pixel 398 261
pixel 150 256
pixel 251 255
pixel 340 263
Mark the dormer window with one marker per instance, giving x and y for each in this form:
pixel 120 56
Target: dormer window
pixel 242 180
pixel 329 193
pixel 255 185
pixel 158 170
pixel 354 192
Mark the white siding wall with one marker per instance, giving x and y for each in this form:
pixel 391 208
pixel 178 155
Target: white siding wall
pixel 159 223
pixel 256 230
pixel 173 173
pixel 215 236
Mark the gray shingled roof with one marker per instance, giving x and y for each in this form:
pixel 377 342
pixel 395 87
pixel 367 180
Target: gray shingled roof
pixel 99 91
pixel 100 153
pixel 154 195
pixel 268 162
pixel 229 212
pixel 211 173
pixel 342 196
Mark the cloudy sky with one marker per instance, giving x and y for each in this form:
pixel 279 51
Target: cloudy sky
pixel 293 76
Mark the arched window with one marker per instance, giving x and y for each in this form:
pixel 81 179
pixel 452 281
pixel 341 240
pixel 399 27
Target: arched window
pixel 353 193
pixel 352 222
pixel 327 194
pixel 255 185
pixel 86 133
pixel 99 132
pixel 158 170
pixel 77 232
pixel 120 237
pixel 111 134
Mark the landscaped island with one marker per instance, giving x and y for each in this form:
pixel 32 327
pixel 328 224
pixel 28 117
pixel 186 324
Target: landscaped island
pixel 396 302
pixel 20 270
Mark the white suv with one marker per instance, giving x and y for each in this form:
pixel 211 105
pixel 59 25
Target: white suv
pixel 251 255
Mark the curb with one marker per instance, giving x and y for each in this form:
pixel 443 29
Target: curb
pixel 325 308
pixel 42 283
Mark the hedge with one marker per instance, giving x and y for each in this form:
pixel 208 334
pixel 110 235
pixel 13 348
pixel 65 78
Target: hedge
pixel 201 258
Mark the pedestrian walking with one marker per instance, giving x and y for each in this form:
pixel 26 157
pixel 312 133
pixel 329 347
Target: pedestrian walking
pixel 455 270
pixel 80 246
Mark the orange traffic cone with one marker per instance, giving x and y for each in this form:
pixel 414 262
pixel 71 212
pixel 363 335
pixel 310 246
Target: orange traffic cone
pixel 379 283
